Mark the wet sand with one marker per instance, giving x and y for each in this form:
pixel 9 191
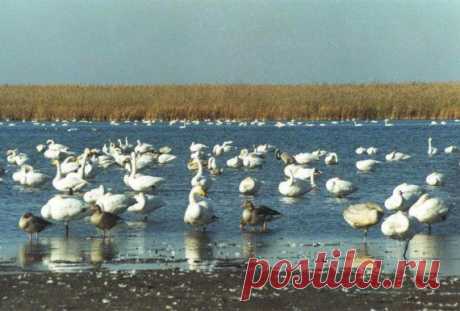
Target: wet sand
pixel 220 290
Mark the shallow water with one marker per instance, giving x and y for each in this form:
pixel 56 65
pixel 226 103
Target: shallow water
pixel 310 224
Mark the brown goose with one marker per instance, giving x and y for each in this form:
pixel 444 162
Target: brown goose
pixel 103 220
pixel 32 224
pixel 257 215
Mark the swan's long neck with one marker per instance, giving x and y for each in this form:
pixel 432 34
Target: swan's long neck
pixel 200 168
pixel 133 165
pixel 429 145
pixel 291 177
pixel 191 197
pixel 81 170
pixel 312 180
pixel 58 170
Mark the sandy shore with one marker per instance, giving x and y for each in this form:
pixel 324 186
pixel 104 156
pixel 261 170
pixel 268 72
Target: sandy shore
pixel 176 290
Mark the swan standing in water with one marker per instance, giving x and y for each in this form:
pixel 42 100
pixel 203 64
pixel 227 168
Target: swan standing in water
pixel 435 179
pixel 331 159
pixel 399 226
pixel 339 187
pixel 139 182
pixel 64 208
pixel 294 187
pixel 146 204
pixel 431 150
pixel 429 210
pixel 363 216
pixel 70 183
pixel 200 180
pixel 32 224
pixel 257 215
pixel 366 165
pixel 199 212
pixel 249 186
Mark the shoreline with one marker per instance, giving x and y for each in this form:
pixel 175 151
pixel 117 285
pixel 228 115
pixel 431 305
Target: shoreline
pixel 178 290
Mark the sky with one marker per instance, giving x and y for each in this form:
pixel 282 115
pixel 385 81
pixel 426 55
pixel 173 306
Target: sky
pixel 228 41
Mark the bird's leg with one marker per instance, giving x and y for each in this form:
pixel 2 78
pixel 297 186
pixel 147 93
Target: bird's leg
pixel 103 234
pixel 66 230
pixel 146 218
pixel 30 237
pixel 264 227
pixel 365 236
pixel 406 246
pixel 429 229
pixel 70 191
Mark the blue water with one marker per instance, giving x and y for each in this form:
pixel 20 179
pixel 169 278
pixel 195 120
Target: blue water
pixel 311 223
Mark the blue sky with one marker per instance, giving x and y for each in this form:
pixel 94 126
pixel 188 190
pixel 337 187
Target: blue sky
pixel 238 41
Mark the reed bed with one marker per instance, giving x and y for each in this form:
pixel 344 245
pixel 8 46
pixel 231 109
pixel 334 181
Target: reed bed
pixel 242 102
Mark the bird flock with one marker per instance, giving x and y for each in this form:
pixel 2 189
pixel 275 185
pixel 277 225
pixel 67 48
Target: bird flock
pixel 406 208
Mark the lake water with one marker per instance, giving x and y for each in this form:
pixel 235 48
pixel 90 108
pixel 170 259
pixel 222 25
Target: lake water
pixel 310 224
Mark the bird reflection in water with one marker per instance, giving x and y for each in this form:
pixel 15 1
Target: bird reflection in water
pixel 102 250
pixel 198 251
pixel 425 246
pixel 65 255
pixel 31 254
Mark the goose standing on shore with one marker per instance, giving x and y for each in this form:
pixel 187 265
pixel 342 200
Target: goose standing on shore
pixel 257 215
pixel 32 224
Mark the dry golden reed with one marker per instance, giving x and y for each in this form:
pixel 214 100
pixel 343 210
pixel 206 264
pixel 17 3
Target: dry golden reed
pixel 244 102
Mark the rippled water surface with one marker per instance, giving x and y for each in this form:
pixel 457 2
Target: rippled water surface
pixel 311 223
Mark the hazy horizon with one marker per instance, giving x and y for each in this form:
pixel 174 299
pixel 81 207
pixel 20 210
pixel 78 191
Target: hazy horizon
pixel 229 42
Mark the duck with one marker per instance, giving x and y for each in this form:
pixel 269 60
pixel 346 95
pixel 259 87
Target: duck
pixel 257 215
pixel 331 158
pixel 199 179
pixel 69 183
pixel 294 187
pixel 32 224
pixel 199 212
pixel 429 210
pixel 249 186
pixel 145 204
pixel 339 187
pixel 103 220
pixel 363 216
pixel 64 208
pixel 366 165
pixel 435 179
pixel 431 150
pixel 139 182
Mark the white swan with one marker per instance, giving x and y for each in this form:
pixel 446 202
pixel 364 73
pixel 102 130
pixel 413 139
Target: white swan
pixel 300 172
pixel 361 150
pixel 30 177
pixel 196 147
pixel 213 168
pixel 395 201
pixel 91 196
pixel 372 151
pixel 451 149
pixel 305 158
pixel 69 183
pixel 429 210
pixel 366 165
pixel 331 158
pixel 234 162
pixel 403 196
pixel 145 204
pixel 339 187
pixel 399 226
pixel 396 156
pixel 250 160
pixel 199 212
pixel 114 203
pixel 143 147
pixel 294 187
pixel 139 182
pixel 199 179
pixel 13 157
pixel 363 216
pixel 64 208
pixel 249 186
pixel 435 179
pixel 431 150
pixel 166 158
